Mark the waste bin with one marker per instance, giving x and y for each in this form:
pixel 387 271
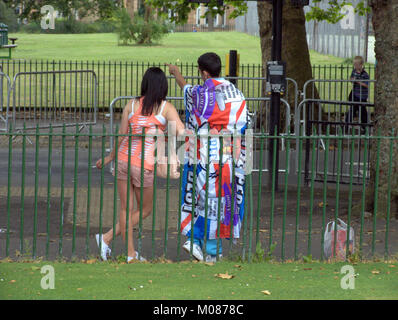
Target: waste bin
pixel 3 34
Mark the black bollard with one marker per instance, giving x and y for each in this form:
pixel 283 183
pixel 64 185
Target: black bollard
pixel 233 65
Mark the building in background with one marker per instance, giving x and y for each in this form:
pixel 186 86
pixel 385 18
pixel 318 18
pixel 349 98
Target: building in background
pixel 249 22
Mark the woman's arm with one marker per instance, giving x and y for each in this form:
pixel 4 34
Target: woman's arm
pixel 124 125
pixel 171 115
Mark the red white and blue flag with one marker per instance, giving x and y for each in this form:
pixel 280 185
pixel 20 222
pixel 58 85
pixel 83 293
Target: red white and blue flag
pixel 218 108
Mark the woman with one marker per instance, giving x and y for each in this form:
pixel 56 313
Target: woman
pixel 152 112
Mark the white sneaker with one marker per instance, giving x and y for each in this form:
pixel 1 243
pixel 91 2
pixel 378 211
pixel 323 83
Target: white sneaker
pixel 141 258
pixel 105 250
pixel 210 258
pixel 196 250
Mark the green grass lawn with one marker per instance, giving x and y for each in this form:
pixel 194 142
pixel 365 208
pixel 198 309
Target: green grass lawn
pixel 187 280
pixel 175 47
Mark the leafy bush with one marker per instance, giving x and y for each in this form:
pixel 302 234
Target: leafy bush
pixel 31 27
pixel 139 30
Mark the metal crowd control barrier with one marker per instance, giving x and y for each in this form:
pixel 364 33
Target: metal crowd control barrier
pixel 5 87
pixel 252 113
pixel 333 118
pixel 333 100
pixel 54 97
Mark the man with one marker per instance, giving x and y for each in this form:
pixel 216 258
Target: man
pixel 216 107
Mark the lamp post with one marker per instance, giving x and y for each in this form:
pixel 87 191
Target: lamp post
pixel 276 84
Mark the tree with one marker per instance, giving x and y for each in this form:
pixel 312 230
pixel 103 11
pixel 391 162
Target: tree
pixel 142 29
pixel 385 26
pixel 295 52
pixel 105 9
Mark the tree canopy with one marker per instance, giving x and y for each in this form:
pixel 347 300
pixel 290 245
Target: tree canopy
pixel 333 13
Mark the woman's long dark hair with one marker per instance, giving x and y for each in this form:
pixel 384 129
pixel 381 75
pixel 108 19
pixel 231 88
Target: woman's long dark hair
pixel 154 88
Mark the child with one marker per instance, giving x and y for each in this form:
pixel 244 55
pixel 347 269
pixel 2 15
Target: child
pixel 359 93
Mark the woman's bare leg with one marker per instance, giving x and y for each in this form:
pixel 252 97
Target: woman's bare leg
pixel 147 204
pixel 122 191
pixel 134 216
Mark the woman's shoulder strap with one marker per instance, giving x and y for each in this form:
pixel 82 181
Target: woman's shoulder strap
pixel 132 106
pixel 162 107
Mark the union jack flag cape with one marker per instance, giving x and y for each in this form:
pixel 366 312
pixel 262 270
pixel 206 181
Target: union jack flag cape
pixel 217 107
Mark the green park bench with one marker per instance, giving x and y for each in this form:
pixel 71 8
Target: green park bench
pixel 4 41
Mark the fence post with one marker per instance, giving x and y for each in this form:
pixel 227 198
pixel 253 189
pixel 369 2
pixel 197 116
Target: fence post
pixel 308 131
pixel 232 65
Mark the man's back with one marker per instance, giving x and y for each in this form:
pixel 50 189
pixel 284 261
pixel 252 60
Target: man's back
pixel 217 107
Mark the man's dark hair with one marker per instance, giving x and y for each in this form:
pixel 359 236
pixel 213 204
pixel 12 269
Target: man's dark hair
pixel 154 88
pixel 211 63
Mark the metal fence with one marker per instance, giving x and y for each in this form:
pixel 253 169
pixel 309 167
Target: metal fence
pixel 123 78
pixel 53 202
pixel 338 71
pixel 76 202
pixel 42 98
pixel 334 110
pixel 189 27
pixel 118 78
pixel 5 87
pixel 50 97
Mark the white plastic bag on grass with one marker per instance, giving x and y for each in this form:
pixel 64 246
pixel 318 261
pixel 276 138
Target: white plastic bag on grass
pixel 341 240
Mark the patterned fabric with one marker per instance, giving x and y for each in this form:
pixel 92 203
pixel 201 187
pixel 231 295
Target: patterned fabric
pixel 153 124
pixel 216 107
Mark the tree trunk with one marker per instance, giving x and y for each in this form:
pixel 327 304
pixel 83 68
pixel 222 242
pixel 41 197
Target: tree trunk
pixel 131 7
pixel 385 25
pixel 294 48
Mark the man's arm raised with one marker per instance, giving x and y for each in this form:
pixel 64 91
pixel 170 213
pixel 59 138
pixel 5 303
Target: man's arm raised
pixel 177 74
